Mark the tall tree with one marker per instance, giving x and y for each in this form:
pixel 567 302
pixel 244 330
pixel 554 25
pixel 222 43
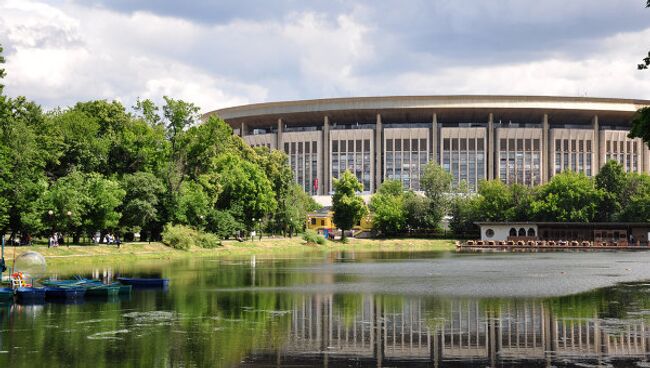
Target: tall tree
pixel 436 183
pixel 387 207
pixel 348 207
pixel 641 125
pixel 611 179
pixel 568 197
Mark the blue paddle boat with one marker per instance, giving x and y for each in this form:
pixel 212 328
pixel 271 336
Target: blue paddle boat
pixel 64 292
pixel 30 293
pixel 6 294
pixel 144 283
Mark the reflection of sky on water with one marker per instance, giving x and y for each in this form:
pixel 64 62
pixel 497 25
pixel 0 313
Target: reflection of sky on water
pixel 480 310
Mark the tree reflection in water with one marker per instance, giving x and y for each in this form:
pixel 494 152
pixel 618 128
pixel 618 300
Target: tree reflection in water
pixel 196 323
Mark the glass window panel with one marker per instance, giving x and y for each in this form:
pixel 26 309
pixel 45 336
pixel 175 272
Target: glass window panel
pixel 472 144
pixel 414 145
pixel 454 144
pixel 480 144
pixel 446 144
pixel 350 145
pixel 407 145
pixel 358 144
pixel 423 144
pixel 398 145
pixel 511 144
pixel 463 144
pixel 389 145
pixel 366 145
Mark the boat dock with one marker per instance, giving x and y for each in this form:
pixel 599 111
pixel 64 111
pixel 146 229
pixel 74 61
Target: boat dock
pixel 477 246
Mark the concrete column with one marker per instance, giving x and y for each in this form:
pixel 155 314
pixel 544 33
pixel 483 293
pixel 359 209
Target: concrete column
pixel 434 139
pixel 278 136
pixel 547 162
pixel 325 157
pixel 596 150
pixel 379 153
pixel 646 158
pixel 490 147
pixel 243 131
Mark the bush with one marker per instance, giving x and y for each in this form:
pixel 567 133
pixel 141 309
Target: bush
pixel 184 237
pixel 310 236
pixel 178 236
pixel 208 240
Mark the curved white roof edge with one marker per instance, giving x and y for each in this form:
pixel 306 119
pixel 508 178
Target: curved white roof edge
pixel 432 102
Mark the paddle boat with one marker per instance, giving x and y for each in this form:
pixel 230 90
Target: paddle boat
pixel 30 293
pixel 54 292
pixel 144 283
pixel 102 290
pixel 6 294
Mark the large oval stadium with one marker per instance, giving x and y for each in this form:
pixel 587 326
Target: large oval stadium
pixel 517 139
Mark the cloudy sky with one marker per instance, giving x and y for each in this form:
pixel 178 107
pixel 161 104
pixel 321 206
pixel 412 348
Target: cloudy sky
pixel 224 53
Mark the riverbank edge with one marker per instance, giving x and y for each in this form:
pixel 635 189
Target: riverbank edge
pixel 132 252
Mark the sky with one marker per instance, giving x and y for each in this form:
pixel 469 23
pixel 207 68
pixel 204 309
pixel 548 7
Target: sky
pixel 225 53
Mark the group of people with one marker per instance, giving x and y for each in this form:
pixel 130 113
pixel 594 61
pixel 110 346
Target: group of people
pixel 109 238
pixel 54 240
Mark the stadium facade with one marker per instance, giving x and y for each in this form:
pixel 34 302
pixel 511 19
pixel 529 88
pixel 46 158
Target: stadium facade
pixel 517 139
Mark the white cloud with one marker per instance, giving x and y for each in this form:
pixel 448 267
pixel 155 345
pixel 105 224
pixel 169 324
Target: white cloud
pixel 58 55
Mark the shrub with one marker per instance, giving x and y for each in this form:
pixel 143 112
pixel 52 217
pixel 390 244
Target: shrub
pixel 310 236
pixel 184 237
pixel 207 240
pixel 178 236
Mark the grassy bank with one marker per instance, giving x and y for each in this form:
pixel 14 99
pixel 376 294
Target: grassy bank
pixel 131 252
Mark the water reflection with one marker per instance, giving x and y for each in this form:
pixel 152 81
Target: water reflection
pixel 381 330
pixel 245 313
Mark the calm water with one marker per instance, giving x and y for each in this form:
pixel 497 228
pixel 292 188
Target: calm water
pixel 347 309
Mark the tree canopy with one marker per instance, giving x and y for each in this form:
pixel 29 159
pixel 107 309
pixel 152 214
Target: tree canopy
pixel 347 205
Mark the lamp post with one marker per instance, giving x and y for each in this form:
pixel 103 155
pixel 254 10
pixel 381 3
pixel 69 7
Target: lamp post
pixel 50 213
pixel 253 230
pixel 3 266
pixel 260 228
pixel 290 227
pixel 69 213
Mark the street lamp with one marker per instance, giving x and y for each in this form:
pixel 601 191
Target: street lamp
pixel 290 227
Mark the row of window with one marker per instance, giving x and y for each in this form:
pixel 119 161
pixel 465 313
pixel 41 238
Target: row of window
pixel 405 159
pixel 303 159
pixel 354 155
pixel 465 159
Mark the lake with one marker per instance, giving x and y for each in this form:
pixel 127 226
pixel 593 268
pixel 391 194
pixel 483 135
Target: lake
pixel 351 309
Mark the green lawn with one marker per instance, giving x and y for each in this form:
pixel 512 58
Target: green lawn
pixel 130 252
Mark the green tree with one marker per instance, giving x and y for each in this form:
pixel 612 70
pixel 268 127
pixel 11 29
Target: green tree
pixel 568 197
pixel 193 206
pixel 245 189
pixel 636 203
pixel 611 179
pixel 141 206
pixel 463 213
pixel 641 125
pixel 348 207
pixel 436 183
pixel 416 210
pixel 521 197
pixel 495 201
pixel 387 207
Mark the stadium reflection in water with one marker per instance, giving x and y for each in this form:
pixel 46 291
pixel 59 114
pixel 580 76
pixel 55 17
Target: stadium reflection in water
pixel 388 331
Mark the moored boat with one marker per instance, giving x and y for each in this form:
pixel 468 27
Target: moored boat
pixel 64 292
pixel 6 294
pixel 102 290
pixel 30 293
pixel 144 283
